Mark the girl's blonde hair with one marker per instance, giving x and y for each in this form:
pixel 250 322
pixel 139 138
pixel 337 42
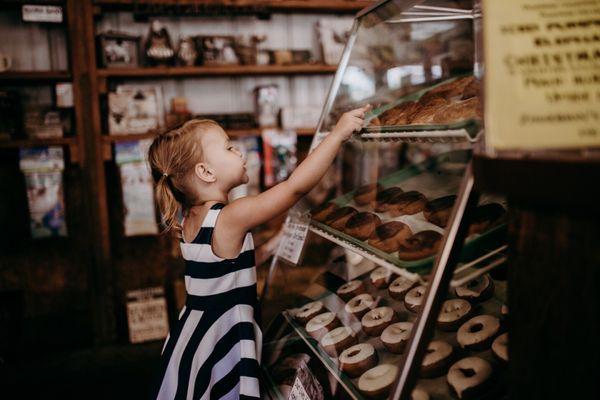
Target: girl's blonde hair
pixel 172 157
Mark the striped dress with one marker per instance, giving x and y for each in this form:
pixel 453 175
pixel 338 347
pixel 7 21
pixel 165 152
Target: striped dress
pixel 213 351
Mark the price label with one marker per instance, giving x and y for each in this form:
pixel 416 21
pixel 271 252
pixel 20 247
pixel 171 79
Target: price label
pixel 292 241
pixel 298 392
pixel 39 13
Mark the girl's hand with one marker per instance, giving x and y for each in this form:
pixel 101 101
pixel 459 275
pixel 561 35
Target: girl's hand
pixel 349 122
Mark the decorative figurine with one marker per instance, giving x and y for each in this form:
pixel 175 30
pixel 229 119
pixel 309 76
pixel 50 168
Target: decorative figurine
pixel 187 53
pixel 159 50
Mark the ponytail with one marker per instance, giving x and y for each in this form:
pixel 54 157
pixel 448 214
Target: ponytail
pixel 168 205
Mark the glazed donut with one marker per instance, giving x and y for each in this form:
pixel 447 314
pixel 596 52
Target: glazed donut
pixel 389 237
pixel 400 286
pixel 438 211
pixel 337 340
pixel 395 336
pixel 419 394
pixel 376 320
pixel 351 289
pixel 362 225
pixel 414 297
pixel 380 277
pixel 321 212
pixel 469 377
pixel 407 203
pixel 420 245
pixel 360 305
pixel 485 217
pixel 382 198
pixel 476 290
pixel 357 359
pixel 338 218
pixel 453 314
pixel 377 382
pixel 478 332
pixel 366 194
pixel 318 326
pixel 309 310
pixel 500 348
pixel 437 358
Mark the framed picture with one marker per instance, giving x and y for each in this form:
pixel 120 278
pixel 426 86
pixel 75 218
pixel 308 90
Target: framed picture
pixel 217 50
pixel 119 50
pixel 135 109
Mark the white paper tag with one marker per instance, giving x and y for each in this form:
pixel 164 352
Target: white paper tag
pixel 38 13
pixel 298 392
pixel 292 242
pixel 147 315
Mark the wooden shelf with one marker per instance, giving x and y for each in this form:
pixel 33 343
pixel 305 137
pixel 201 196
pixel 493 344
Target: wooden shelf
pixel 29 77
pixel 71 142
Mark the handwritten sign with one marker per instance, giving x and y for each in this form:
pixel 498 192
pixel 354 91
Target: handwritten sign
pixel 292 241
pixel 40 13
pixel 147 315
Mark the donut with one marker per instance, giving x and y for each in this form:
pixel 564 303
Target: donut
pixel 500 348
pixel 357 359
pixel 459 111
pixel 420 245
pixel 395 336
pixel 476 290
pixel 407 203
pixel 380 277
pixel 414 297
pixel 337 340
pixel 419 394
pixel 438 211
pixel 377 382
pixel 389 236
pixel 469 377
pixel 376 320
pixel 309 310
pixel 322 212
pixel 366 194
pixel 362 225
pixel 338 218
pixel 318 326
pixel 453 314
pixel 478 332
pixel 400 286
pixel 360 305
pixel 437 358
pixel 382 197
pixel 351 289
pixel 485 217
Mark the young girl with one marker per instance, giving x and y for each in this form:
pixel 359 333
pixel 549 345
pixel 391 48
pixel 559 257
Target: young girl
pixel 213 351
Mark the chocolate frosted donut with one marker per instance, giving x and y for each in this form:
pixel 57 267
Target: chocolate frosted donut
pixel 338 218
pixel 469 378
pixel 500 348
pixel 438 211
pixel 350 289
pixel 355 360
pixel 389 236
pixel 476 290
pixel 366 194
pixel 360 305
pixel 337 340
pixel 407 203
pixel 396 335
pixel 437 358
pixel 478 332
pixel 400 286
pixel 377 382
pixel 420 245
pixel 383 196
pixel 362 225
pixel 453 313
pixel 321 212
pixel 376 320
pixel 485 217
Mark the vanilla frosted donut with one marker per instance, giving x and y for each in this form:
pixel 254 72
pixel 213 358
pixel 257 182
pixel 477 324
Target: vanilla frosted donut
pixel 437 358
pixel 377 381
pixel 478 332
pixel 414 297
pixel 376 320
pixel 469 377
pixel 338 339
pixel 453 313
pixel 321 324
pixel 359 305
pixel 419 394
pixel 309 310
pixel 400 286
pixel 381 277
pixel 357 359
pixel 395 336
pixel 500 347
pixel 350 289
pixel 476 290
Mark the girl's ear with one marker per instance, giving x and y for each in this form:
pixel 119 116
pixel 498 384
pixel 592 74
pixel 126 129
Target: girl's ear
pixel 205 173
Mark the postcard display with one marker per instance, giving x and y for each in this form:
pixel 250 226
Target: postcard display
pixel 355 325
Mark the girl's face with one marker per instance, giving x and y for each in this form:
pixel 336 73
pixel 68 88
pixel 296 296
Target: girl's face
pixel 226 161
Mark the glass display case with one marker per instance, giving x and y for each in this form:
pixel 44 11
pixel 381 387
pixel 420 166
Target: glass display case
pixel 402 259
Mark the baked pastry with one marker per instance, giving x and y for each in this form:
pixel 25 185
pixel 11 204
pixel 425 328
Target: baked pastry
pixel 469 378
pixel 425 115
pixel 399 115
pixel 362 225
pixel 453 314
pixel 472 89
pixel 321 212
pixel 357 359
pixel 400 286
pixel 375 122
pixel 485 216
pixel 318 326
pixel 390 236
pixel 414 297
pixel 407 203
pixel 420 245
pixel 419 394
pixel 377 382
pixel 338 218
pixel 383 196
pixel 360 305
pixel 459 111
pixel 478 332
pixel 476 290
pixel 500 348
pixel 376 320
pixel 380 277
pixel 337 340
pixel 366 194
pixel 309 310
pixel 437 358
pixel 351 289
pixel 395 336
pixel 450 90
pixel 438 211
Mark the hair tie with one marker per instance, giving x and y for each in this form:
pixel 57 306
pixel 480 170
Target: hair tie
pixel 165 175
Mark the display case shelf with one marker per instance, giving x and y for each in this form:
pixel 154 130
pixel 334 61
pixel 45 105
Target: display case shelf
pixel 422 136
pixel 30 77
pixel 70 142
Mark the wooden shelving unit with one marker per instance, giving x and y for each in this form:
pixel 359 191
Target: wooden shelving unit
pixel 29 77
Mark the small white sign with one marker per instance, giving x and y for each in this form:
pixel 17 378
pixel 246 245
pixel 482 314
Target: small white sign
pixel 38 13
pixel 298 392
pixel 292 242
pixel 64 95
pixel 147 315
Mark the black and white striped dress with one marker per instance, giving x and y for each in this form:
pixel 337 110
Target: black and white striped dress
pixel 213 352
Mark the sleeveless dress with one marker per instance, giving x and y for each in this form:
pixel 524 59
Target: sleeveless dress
pixel 214 349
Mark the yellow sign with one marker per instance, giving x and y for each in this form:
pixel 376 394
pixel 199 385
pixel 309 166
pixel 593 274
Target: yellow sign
pixel 542 74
